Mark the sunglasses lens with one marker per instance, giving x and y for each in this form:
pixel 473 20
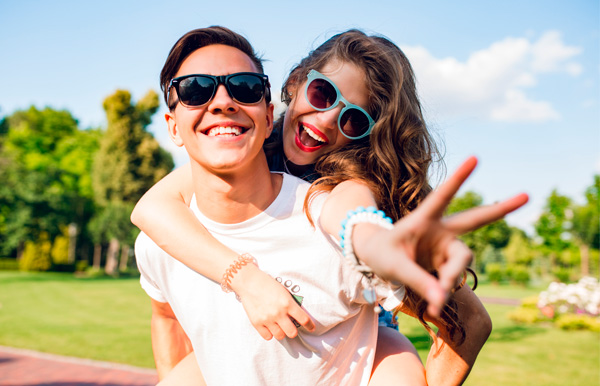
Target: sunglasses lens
pixel 195 90
pixel 246 88
pixel 321 94
pixel 354 123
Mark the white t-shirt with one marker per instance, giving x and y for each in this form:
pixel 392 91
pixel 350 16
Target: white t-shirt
pixel 307 262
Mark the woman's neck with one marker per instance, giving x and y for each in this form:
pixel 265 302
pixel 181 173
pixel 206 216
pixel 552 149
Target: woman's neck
pixel 296 170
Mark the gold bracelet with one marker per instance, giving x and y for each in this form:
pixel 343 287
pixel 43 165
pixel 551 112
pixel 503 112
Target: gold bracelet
pixel 242 260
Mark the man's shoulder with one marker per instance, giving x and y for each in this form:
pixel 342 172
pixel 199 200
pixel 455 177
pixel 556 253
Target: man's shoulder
pixel 144 245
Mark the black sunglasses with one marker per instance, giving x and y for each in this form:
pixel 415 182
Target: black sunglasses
pixel 198 89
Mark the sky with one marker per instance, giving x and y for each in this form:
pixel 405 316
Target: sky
pixel 516 83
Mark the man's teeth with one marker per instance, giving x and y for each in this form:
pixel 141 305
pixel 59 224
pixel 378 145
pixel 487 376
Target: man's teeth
pixel 227 131
pixel 313 135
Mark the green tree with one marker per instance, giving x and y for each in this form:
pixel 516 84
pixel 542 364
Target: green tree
pixel 519 249
pixel 552 226
pixel 586 226
pixel 495 235
pixel 43 158
pixel 128 163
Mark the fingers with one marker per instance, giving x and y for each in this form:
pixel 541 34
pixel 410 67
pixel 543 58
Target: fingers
pixel 435 204
pixel 302 318
pixel 264 332
pixel 474 218
pixel 424 284
pixel 285 325
pixel 459 256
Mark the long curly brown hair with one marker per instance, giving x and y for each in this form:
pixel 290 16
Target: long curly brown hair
pixel 394 160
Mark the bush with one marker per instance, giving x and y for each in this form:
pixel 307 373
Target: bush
pixel 520 274
pixel 578 322
pixel 60 250
pixel 9 264
pixel 494 272
pixel 562 274
pixel 526 315
pixel 36 256
pixel 81 266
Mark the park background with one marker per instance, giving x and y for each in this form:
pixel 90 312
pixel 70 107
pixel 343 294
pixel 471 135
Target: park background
pixel 516 83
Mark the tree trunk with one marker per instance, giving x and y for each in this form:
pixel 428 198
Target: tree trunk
pixel 124 258
pixel 97 256
pixel 20 248
pixel 111 257
pixel 584 251
pixel 72 242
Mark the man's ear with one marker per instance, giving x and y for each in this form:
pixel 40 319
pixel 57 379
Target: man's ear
pixel 173 130
pixel 270 109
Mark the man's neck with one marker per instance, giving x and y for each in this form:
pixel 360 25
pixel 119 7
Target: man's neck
pixel 236 196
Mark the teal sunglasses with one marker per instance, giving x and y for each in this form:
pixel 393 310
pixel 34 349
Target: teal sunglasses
pixel 323 95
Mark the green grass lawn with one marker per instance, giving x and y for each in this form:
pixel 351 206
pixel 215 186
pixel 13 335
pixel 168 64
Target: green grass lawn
pixel 105 319
pixel 109 319
pixel 517 354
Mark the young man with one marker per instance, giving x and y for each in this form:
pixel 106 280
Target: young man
pixel 219 110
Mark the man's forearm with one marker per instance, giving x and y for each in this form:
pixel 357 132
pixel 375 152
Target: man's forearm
pixel 449 363
pixel 170 344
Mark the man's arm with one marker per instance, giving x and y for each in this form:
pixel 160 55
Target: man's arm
pixel 170 344
pixel 449 363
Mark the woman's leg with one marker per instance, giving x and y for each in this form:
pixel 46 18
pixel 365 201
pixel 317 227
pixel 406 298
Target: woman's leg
pixel 396 361
pixel 185 373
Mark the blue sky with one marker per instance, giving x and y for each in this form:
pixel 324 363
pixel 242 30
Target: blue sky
pixel 516 83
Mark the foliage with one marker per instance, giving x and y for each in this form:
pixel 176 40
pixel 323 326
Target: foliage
pixel 552 223
pixel 526 315
pixel 586 218
pixel 518 273
pixel 60 248
pixel 578 322
pixel 36 256
pixel 45 163
pixel 519 249
pixel 495 235
pixel 129 160
pixel 562 274
pixel 494 272
pixel 127 164
pixel 8 264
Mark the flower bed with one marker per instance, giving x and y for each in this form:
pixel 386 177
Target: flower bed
pixel 568 306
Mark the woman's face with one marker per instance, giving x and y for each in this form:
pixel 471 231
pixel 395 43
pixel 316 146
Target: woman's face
pixel 307 133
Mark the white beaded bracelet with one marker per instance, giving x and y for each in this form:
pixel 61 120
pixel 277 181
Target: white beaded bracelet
pixel 353 217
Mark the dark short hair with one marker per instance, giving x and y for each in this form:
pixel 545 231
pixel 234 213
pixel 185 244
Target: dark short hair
pixel 203 37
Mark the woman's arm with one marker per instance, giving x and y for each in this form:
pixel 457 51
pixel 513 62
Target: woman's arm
pixel 420 242
pixel 163 214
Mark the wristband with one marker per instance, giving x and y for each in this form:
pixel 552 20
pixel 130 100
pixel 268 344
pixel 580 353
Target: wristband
pixel 353 217
pixel 242 260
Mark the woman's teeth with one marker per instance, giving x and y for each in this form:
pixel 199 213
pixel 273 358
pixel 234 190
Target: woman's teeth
pixel 313 135
pixel 226 131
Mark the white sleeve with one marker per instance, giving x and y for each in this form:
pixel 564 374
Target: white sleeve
pixel 146 260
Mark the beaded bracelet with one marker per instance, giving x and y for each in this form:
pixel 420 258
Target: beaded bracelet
pixel 242 260
pixel 353 217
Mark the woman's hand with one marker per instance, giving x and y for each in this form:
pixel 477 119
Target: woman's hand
pixel 425 240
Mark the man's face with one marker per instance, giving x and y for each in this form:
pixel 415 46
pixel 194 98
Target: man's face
pixel 222 135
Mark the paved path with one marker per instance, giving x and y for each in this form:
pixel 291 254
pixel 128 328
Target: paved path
pixel 20 367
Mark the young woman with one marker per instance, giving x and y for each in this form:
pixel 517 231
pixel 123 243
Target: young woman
pixel 354 121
